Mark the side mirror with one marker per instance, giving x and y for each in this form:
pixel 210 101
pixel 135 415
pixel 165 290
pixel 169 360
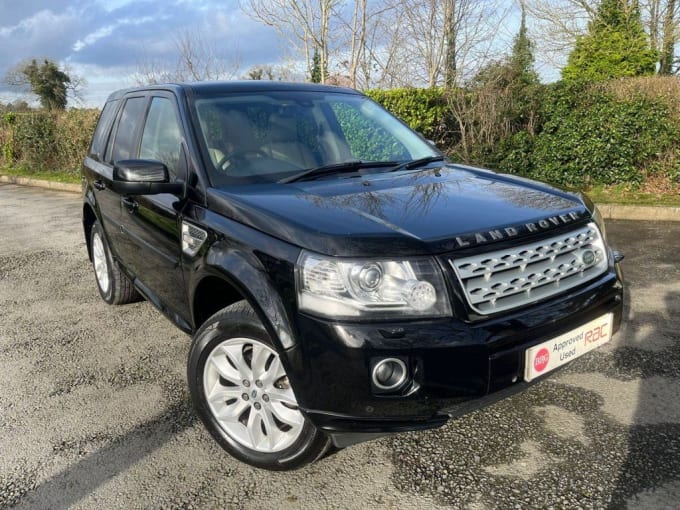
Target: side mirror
pixel 143 177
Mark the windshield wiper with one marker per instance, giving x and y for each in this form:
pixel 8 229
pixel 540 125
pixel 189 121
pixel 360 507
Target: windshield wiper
pixel 335 168
pixel 415 163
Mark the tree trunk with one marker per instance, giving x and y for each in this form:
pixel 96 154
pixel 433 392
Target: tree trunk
pixel 668 49
pixel 450 22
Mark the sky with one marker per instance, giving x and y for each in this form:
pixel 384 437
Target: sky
pixel 105 41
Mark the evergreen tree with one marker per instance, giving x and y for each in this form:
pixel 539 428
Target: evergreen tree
pixel 48 82
pixel 615 46
pixel 316 67
pixel 522 58
pixel 513 83
pixel 524 82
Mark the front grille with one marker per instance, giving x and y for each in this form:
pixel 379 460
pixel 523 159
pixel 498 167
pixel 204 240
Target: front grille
pixel 506 279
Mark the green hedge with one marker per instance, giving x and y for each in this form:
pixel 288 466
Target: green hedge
pixel 590 137
pixel 42 140
pixel 425 110
pixel 587 136
pixel 623 132
pixel 583 134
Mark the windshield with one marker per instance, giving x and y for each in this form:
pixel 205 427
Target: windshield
pixel 268 136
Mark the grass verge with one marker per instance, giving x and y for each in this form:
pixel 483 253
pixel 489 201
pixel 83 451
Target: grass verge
pixel 52 175
pixel 623 195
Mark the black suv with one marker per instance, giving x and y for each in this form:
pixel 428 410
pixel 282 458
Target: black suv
pixel 341 278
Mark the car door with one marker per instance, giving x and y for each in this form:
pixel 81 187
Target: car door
pixel 150 224
pixel 98 165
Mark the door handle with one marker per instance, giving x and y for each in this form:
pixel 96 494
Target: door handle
pixel 99 185
pixel 130 204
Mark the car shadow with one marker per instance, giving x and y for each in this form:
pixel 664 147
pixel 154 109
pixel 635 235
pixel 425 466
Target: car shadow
pixel 66 488
pixel 653 456
pixel 653 276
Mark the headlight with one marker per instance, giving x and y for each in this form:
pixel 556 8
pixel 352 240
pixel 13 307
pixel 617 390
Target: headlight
pixel 376 289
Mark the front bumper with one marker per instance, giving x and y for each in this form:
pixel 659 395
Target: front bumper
pixel 455 367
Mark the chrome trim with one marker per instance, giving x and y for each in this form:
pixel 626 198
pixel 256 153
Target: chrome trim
pixel 193 238
pixel 400 380
pixel 502 280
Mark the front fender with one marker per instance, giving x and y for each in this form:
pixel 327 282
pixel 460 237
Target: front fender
pixel 245 272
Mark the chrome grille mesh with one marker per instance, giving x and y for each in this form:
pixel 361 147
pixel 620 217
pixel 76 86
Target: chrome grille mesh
pixel 502 280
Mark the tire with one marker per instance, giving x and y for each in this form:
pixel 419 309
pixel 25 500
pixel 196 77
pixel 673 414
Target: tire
pixel 241 393
pixel 114 287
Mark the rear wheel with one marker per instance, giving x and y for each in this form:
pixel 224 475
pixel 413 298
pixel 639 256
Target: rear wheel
pixel 114 287
pixel 242 393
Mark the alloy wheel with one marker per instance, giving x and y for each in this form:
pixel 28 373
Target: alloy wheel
pixel 248 393
pixel 101 268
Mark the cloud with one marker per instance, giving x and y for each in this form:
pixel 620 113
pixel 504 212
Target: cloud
pixel 111 37
pixel 106 31
pixel 93 37
pixel 43 34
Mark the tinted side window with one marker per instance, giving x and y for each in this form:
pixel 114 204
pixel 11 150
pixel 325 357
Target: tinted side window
pixel 162 135
pixel 101 133
pixel 124 146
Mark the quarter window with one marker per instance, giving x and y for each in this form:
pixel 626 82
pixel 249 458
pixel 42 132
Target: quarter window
pixel 162 137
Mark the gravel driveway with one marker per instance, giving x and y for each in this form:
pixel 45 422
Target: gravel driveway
pixel 94 412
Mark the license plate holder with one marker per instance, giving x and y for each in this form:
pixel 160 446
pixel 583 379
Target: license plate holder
pixel 556 352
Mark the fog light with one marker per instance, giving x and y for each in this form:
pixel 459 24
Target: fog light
pixel 389 373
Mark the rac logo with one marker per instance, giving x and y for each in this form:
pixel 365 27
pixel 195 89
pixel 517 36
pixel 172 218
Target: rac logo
pixel 595 334
pixel 541 360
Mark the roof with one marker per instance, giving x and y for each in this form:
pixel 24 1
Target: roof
pixel 221 87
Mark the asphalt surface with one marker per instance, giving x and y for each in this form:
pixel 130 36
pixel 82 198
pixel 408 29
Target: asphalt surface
pixel 94 412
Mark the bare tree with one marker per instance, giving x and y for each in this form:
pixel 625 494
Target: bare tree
pixel 269 72
pixel 197 59
pixel 358 38
pixel 430 42
pixel 557 24
pixel 388 42
pixel 361 33
pixel 669 39
pixel 307 25
pixel 663 21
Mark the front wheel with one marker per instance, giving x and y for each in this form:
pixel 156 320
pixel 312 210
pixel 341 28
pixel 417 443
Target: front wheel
pixel 242 393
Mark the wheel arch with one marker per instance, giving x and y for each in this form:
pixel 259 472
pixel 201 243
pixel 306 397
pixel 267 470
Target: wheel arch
pixel 219 287
pixel 212 293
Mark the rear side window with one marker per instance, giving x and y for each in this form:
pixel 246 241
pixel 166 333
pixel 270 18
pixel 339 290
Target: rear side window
pixel 101 133
pixel 125 144
pixel 162 136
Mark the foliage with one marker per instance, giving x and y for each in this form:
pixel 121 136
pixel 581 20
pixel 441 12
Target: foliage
pixel 615 46
pixel 524 83
pixel 578 134
pixel 42 140
pixel 315 73
pixel 425 110
pixel 48 82
pixel 496 115
pixel 622 132
pixel 591 137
